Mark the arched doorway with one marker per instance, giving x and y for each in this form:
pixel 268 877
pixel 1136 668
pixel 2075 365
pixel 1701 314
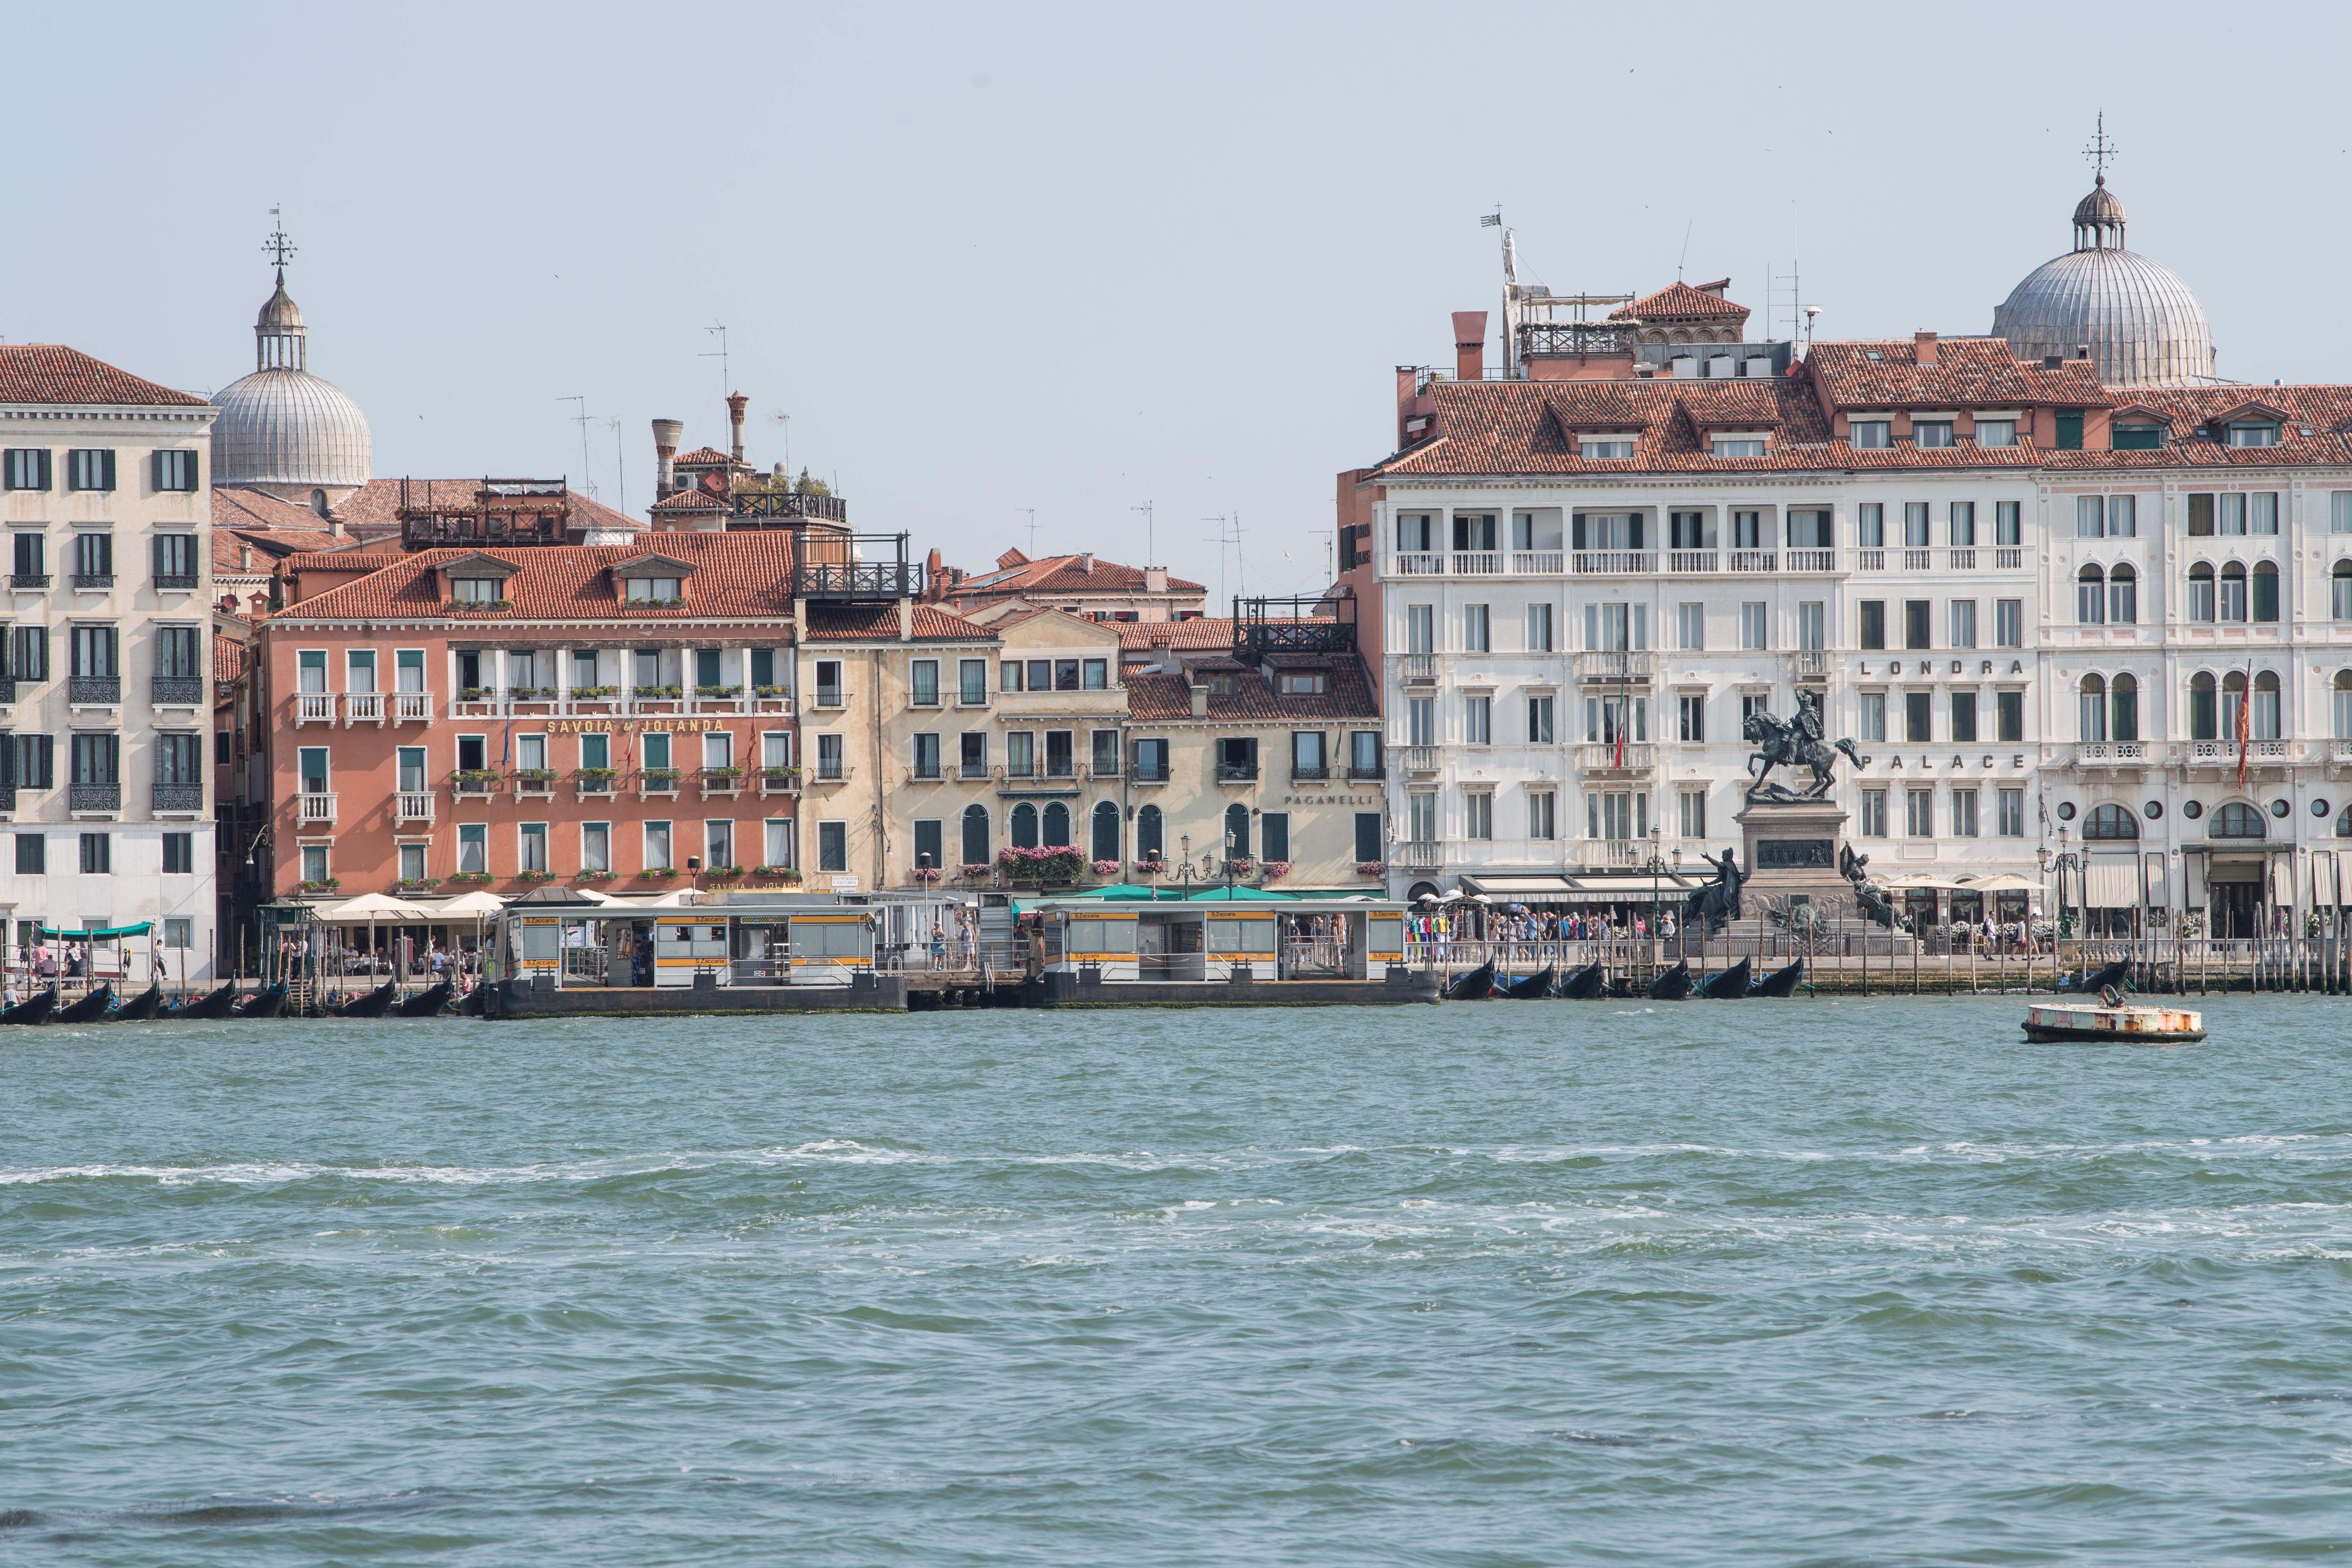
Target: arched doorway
pixel 975 835
pixel 1057 825
pixel 1106 832
pixel 1024 827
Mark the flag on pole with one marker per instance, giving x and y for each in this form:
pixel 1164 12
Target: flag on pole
pixel 1492 220
pixel 2245 703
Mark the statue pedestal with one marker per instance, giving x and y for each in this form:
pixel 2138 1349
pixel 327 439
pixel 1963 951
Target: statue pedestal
pixel 1791 848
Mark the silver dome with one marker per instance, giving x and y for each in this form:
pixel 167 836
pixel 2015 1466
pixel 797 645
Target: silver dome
pixel 288 427
pixel 2143 325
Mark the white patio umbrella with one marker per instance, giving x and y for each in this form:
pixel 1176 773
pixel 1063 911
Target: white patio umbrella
pixel 374 909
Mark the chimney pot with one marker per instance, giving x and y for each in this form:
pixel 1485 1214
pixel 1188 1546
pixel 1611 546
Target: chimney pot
pixel 1087 561
pixel 1469 345
pixel 1155 579
pixel 666 439
pixel 1923 348
pixel 736 404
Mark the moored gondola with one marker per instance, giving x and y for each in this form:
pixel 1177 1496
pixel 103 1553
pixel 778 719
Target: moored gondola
pixel 1537 985
pixel 264 1002
pixel 372 1005
pixel 33 1009
pixel 2117 973
pixel 143 1007
pixel 1781 981
pixel 219 1005
pixel 1730 983
pixel 1475 986
pixel 427 1004
pixel 1673 985
pixel 90 1008
pixel 1583 984
pixel 474 1002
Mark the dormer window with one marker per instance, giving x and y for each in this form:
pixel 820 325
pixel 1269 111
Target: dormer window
pixel 479 590
pixel 1996 432
pixel 1221 686
pixel 1299 683
pixel 2253 433
pixel 1745 443
pixel 1605 446
pixel 651 590
pixel 2137 437
pixel 1931 432
pixel 1871 433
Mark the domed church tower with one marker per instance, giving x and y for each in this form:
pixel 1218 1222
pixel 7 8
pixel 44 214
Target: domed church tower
pixel 282 429
pixel 2142 326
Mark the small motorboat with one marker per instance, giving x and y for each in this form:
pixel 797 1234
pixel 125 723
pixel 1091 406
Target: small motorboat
pixel 1585 984
pixel 142 1007
pixel 264 1002
pixel 2114 976
pixel 374 1005
pixel 221 1003
pixel 1781 981
pixel 1730 983
pixel 33 1010
pixel 1475 986
pixel 427 1004
pixel 1673 985
pixel 2110 1023
pixel 1535 986
pixel 90 1008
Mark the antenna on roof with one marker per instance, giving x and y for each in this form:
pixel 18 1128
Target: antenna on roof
pixel 277 246
pixel 582 419
pixel 1149 552
pixel 1033 529
pixel 720 328
pixel 784 420
pixel 619 467
pixel 1685 255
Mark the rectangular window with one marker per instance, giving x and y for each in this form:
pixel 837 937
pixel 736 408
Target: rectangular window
pixel 1692 802
pixel 596 846
pixel 175 471
pixel 1478 721
pixel 179 854
pixel 1021 754
pixel 1964 814
pixel 2009 623
pixel 930 844
pixel 91 468
pixel 32 558
pixel 780 849
pixel 832 846
pixel 2090 517
pixel 1539 716
pixel 1916 526
pixel 1748 531
pixel 176 561
pixel 1917 631
pixel 1917 709
pixel 1368 838
pixel 1963 718
pixel 595 752
pixel 2234 514
pixel 474 847
pixel 27 467
pixel 658 847
pixel 2008 715
pixel 1102 758
pixel 972 755
pixel 32 849
pixel 1690 623
pixel 1274 836
pixel 29 653
pixel 923 682
pixel 1093 675
pixel 177 651
pixel 1151 761
pixel 718 845
pixel 1476 629
pixel 532 844
pixel 97 854
pixel 1421 629
pixel 1870 525
pixel 829 757
pixel 655 750
pixel 1964 623
pixel 2200 515
pixel 1872 435
pixel 314 863
pixel 93 559
pixel 98 759
pixel 1874 715
pixel 2262 511
pixel 531 755
pixel 972 682
pixel 1873 624
pixel 1693 709
pixel 1539 629
pixel 94 652
pixel 2123 517
pixel 1919 812
pixel 1931 432
pixel 926 756
pixel 1478 816
pixel 1543 818
pixel 1809 629
pixel 1041 674
pixel 1061 754
pixel 2340 512
pixel 2008 522
pixel 1874 813
pixel 1996 432
pixel 828 683
pixel 1755 626
pixel 2012 812
pixel 179 758
pixel 1963 520
pixel 1011 678
pixel 411 862
pixel 180 932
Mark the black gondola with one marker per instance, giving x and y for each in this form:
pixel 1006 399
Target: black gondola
pixel 1673 985
pixel 264 1002
pixel 221 1003
pixel 91 1008
pixel 476 999
pixel 374 1005
pixel 1585 984
pixel 2117 975
pixel 33 1010
pixel 1730 983
pixel 1537 985
pixel 427 1004
pixel 1476 986
pixel 144 1006
pixel 1781 981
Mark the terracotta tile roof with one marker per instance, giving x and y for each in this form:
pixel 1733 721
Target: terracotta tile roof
pixel 689 500
pixel 1165 699
pixel 373 510
pixel 1200 631
pixel 736 576
pixel 1969 373
pixel 703 456
pixel 259 509
pixel 879 622
pixel 1678 302
pixel 2323 409
pixel 270 545
pixel 1064 574
pixel 52 373
pixel 229 655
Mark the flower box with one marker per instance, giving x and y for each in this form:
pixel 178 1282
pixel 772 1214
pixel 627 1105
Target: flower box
pixel 976 869
pixel 471 877
pixel 719 691
pixel 1106 867
pixel 659 871
pixel 1276 868
pixel 927 873
pixel 329 885
pixel 660 778
pixel 728 775
pixel 767 691
pixel 595 876
pixel 1371 867
pixel 593 691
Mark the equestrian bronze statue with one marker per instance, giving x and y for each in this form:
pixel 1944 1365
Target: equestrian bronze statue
pixel 1795 743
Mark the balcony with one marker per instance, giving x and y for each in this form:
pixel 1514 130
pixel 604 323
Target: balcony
pixel 1610 665
pixel 176 583
pixel 176 691
pixel 94 692
pixel 412 805
pixel 411 706
pixel 475 784
pixel 1422 856
pixel 1815 560
pixel 1149 774
pixel 1694 561
pixel 314 707
pixel 2111 754
pixel 29 582
pixel 363 708
pixel 653 781
pixel 1308 775
pixel 839 773
pixel 1237 773
pixel 854 579
pixel 719 782
pixel 1809 664
pixel 1412 563
pixel 1602 757
pixel 534 783
pixel 782 781
pixel 1418 668
pixel 1476 562
pixel 832 697
pixel 595 783
pixel 1611 854
pixel 1366 772
pixel 313 808
pixel 178 799
pixel 95 797
pixel 1421 759
pixel 1753 561
pixel 1611 563
pixel 1934 558
pixel 93 582
pixel 1539 562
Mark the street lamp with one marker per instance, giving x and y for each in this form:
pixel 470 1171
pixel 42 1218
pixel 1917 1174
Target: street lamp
pixel 1657 864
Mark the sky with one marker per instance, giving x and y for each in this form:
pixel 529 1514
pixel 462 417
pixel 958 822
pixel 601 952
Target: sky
pixel 1016 273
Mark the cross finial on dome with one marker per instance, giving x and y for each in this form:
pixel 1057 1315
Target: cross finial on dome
pixel 2099 150
pixel 277 246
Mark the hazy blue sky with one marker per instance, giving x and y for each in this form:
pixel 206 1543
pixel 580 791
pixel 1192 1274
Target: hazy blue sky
pixel 1079 258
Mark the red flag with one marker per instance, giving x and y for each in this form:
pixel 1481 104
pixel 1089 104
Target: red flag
pixel 2245 702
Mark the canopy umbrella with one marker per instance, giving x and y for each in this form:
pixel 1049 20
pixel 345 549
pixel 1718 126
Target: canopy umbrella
pixel 2004 882
pixel 1242 895
pixel 371 907
pixel 475 905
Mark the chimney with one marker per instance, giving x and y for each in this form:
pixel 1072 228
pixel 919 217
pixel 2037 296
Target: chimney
pixel 1087 561
pixel 1923 349
pixel 736 404
pixel 666 434
pixel 1469 345
pixel 334 526
pixel 244 558
pixel 1155 579
pixel 1200 698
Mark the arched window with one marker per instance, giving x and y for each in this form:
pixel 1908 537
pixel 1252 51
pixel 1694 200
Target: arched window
pixel 1024 827
pixel 1238 832
pixel 2090 596
pixel 2200 592
pixel 2339 590
pixel 975 835
pixel 2203 725
pixel 2237 820
pixel 2123 702
pixel 2266 722
pixel 2344 704
pixel 2265 591
pixel 2233 593
pixel 2111 821
pixel 2344 822
pixel 1106 832
pixel 2233 697
pixel 319 502
pixel 2122 598
pixel 1057 825
pixel 1150 834
pixel 2094 707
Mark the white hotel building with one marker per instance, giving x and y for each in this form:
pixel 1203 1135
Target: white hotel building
pixel 2035 590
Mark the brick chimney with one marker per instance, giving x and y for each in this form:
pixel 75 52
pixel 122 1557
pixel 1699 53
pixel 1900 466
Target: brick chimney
pixel 1469 345
pixel 1923 348
pixel 1155 579
pixel 1200 697
pixel 736 404
pixel 665 436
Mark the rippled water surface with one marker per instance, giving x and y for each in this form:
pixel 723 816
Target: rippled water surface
pixel 1868 1282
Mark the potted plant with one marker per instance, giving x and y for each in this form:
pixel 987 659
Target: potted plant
pixel 533 876
pixel 658 872
pixel 717 872
pixel 535 776
pixel 768 690
pixel 1276 869
pixel 410 884
pixel 329 885
pixel 728 774
pixel 471 877
pixel 976 871
pixel 1371 867
pixel 598 778
pixel 926 873
pixel 595 876
pixel 474 781
pixel 660 778
pixel 718 690
pixel 474 694
pixel 592 691
pixel 1106 867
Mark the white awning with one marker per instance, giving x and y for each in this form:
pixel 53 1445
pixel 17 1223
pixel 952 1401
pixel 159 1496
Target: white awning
pixel 2111 884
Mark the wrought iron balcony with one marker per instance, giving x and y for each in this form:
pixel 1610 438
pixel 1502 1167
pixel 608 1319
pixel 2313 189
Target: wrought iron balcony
pixel 1236 772
pixel 176 691
pixel 94 691
pixel 93 582
pixel 1367 771
pixel 99 797
pixel 172 582
pixel 179 798
pixel 29 580
pixel 1299 773
pixel 852 578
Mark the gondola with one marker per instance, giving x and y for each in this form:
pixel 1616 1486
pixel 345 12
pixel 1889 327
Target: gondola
pixel 1476 986
pixel 1585 984
pixel 1781 981
pixel 264 1002
pixel 1731 982
pixel 427 1004
pixel 1673 985
pixel 2117 975
pixel 144 1006
pixel 91 1009
pixel 475 1001
pixel 372 1005
pixel 1536 986
pixel 221 1003
pixel 33 1010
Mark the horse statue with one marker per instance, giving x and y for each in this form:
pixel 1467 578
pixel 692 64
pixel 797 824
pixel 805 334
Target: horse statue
pixel 1713 907
pixel 1868 896
pixel 1797 743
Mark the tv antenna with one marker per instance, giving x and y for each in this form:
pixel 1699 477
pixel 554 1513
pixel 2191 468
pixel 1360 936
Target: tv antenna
pixel 619 467
pixel 1148 550
pixel 720 327
pixel 1033 529
pixel 582 419
pixel 784 423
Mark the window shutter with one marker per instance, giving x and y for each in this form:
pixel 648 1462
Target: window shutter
pixel 1592 620
pixel 1576 528
pixel 1641 626
pixel 106 467
pixel 1633 537
pixel 155 469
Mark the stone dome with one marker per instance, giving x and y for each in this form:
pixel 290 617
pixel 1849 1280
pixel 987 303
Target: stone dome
pixel 281 425
pixel 2143 325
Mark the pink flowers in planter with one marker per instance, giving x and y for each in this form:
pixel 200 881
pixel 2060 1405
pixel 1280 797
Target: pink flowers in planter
pixel 1274 868
pixel 1154 867
pixel 926 873
pixel 1106 867
pixel 1371 867
pixel 976 869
